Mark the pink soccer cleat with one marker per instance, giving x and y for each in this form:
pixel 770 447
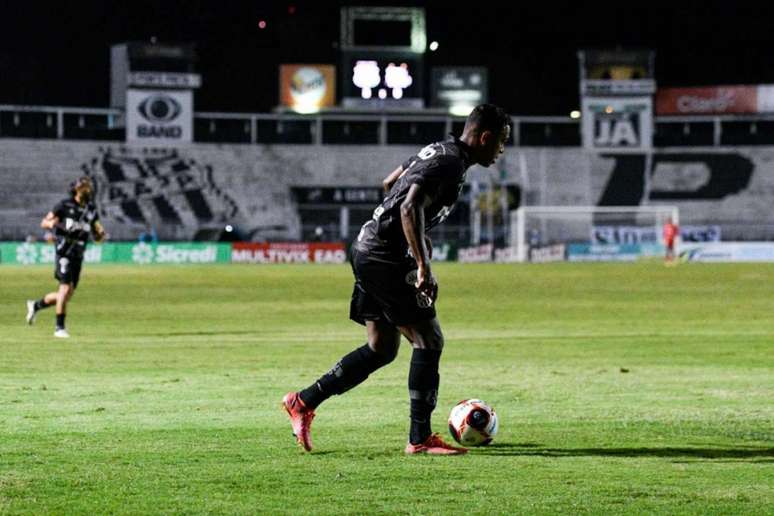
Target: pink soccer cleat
pixel 434 445
pixel 300 419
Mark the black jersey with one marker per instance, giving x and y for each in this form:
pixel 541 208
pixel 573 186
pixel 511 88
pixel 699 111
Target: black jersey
pixel 439 169
pixel 75 225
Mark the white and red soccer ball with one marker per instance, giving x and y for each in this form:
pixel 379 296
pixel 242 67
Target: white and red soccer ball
pixel 473 423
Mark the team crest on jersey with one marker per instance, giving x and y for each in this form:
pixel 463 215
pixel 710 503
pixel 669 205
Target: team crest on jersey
pixel 76 225
pixel 424 300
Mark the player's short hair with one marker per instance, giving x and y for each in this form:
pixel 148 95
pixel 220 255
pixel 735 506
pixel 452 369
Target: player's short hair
pixel 487 117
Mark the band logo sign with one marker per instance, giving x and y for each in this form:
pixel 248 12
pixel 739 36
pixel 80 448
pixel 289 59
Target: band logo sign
pixel 160 116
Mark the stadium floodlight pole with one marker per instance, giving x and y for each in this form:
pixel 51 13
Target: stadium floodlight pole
pixel 519 218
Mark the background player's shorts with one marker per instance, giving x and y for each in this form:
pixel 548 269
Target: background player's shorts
pixel 385 291
pixel 68 269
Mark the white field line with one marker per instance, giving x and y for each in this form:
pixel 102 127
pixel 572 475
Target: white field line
pixel 307 336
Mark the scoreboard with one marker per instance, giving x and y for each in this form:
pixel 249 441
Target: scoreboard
pixel 381 58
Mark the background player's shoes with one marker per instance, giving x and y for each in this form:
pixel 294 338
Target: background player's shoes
pixel 300 418
pixel 31 312
pixel 61 333
pixel 434 445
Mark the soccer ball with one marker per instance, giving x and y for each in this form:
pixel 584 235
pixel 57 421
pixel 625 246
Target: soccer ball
pixel 473 423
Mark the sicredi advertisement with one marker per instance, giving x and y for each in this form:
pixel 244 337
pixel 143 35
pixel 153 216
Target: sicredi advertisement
pixel 122 252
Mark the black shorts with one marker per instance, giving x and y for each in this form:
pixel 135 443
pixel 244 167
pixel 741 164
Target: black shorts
pixel 386 291
pixel 67 269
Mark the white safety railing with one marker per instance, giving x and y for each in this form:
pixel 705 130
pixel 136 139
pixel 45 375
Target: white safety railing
pixel 110 121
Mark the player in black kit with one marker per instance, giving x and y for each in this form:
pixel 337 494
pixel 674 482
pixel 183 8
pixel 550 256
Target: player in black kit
pixel 395 291
pixel 72 221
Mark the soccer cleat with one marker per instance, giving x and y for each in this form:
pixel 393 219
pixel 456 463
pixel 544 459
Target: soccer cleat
pixel 300 419
pixel 434 445
pixel 31 312
pixel 61 333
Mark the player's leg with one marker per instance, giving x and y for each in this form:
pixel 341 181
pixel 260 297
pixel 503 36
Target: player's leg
pixel 69 273
pixel 356 366
pixel 63 296
pixel 350 371
pixel 427 340
pixel 33 307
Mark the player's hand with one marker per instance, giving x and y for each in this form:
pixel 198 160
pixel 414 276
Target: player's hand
pixel 426 284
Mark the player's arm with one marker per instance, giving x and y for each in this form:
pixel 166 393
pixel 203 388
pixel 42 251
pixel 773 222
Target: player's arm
pixel 49 221
pixel 390 180
pixel 99 231
pixel 412 217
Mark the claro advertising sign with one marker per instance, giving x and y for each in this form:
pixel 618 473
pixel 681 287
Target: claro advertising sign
pixel 716 100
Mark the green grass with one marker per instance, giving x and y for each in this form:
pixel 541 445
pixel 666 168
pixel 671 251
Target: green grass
pixel 621 388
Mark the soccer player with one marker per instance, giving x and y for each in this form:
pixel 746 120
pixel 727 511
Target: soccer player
pixel 671 232
pixel 395 290
pixel 72 221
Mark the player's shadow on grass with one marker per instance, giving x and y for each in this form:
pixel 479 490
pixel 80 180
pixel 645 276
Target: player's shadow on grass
pixel 528 449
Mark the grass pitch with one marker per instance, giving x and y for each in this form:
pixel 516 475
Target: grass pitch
pixel 621 388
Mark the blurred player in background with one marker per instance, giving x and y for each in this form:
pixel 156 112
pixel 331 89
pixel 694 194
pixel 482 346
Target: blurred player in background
pixel 72 221
pixel 395 290
pixel 671 232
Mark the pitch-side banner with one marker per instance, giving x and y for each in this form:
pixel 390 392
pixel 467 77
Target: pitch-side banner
pixel 159 116
pixel 122 252
pixel 292 252
pixel 728 252
pixel 617 124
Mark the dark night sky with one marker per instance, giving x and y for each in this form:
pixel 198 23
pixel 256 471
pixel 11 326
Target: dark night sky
pixel 57 53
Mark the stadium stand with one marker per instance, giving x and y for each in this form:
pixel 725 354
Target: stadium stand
pixel 192 191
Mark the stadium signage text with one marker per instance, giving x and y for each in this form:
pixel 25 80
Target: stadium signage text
pixel 650 235
pixel 307 88
pixel 159 116
pixel 728 252
pixel 602 252
pixel 288 253
pixel 321 195
pixel 144 253
pixel 43 253
pixel 546 254
pixel 713 100
pixel 616 123
pixel 477 254
pixel 164 79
